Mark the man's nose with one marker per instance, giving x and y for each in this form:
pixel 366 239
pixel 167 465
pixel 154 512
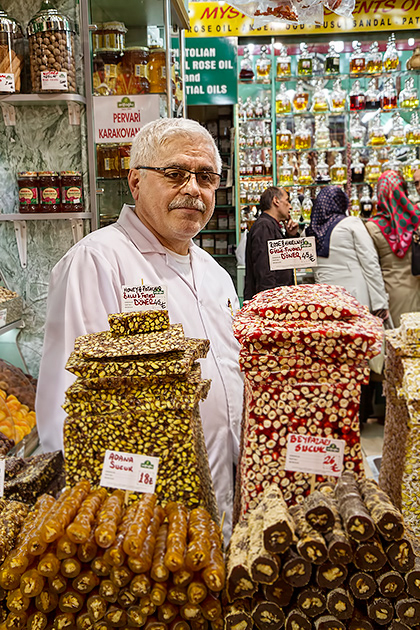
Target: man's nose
pixel 191 186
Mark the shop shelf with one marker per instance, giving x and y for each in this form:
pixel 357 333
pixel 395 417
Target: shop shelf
pixel 135 14
pixel 43 99
pixel 44 216
pixel 223 255
pixel 281 151
pixel 218 231
pixel 255 119
pixel 17 324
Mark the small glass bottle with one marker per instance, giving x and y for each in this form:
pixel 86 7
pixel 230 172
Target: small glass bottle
pixel 354 208
pixel 357 97
pixel 249 165
pixel 266 107
pixel 304 177
pixel 258 165
pixel 284 63
pixel 376 132
pixel 301 97
pixel 241 109
pixel 249 108
pixel 357 131
pixel 303 136
pixel 258 108
pixel 283 105
pixel 258 138
pixel 286 172
pixel 319 99
pixel 283 138
pixel 391 58
pixel 322 134
pixel 389 98
pixel 267 136
pixel 263 66
pixel 296 207
pixel 305 61
pixel 268 165
pixel 411 129
pixel 374 200
pixel 392 164
pixel 410 165
pixel 246 72
pixel 250 138
pixel 306 205
pixel 242 194
pixel 338 171
pixel 357 169
pixel 242 164
pixel 408 97
pixel 357 59
pixel 338 97
pixel 373 168
pixel 373 95
pixel 366 205
pixel 374 59
pixel 397 133
pixel 322 170
pixel 332 60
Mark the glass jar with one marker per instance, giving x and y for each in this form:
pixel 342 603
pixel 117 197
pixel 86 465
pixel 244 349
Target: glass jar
pixel 303 136
pixel 258 108
pixel 301 97
pixel 51 50
pixel 366 205
pixel 306 205
pixel 354 206
pixel 304 177
pixel 376 132
pixel 391 57
pixel 357 97
pixel 113 36
pixel 157 70
pixel 357 131
pixel 97 37
pixel 284 63
pixel 132 71
pixel 397 133
pixel 322 134
pixel 373 96
pixel 389 99
pixel 49 191
pixel 322 170
pixel 332 60
pixel 295 206
pixel 408 97
pixel 11 54
pixel 305 61
pixel 374 59
pixel 373 169
pixel 285 172
pixel 104 77
pixel 283 105
pixel 357 169
pixel 71 191
pixel 338 171
pixel 28 185
pixel 357 59
pixel 283 138
pixel 108 161
pixel 246 72
pixel 338 97
pixel 263 66
pixel 319 100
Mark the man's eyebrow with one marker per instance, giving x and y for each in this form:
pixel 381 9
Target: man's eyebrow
pixel 199 170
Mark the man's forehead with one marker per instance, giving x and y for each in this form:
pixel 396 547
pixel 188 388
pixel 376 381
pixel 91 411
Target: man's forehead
pixel 187 147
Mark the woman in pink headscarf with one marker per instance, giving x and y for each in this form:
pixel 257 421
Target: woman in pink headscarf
pixel 391 230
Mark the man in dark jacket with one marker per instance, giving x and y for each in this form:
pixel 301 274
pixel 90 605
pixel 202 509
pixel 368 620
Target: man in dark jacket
pixel 273 223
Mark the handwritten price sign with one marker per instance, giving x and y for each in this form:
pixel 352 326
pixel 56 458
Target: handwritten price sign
pixel 292 253
pixel 315 455
pixel 129 471
pixel 144 298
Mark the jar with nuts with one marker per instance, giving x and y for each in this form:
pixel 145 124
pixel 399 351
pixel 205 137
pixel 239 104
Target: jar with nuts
pixel 11 54
pixel 51 49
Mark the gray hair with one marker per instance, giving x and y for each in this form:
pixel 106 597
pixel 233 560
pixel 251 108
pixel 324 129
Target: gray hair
pixel 153 136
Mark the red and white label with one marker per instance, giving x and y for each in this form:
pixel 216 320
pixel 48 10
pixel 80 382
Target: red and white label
pixel 314 455
pixel 54 80
pixel 7 82
pixel 129 471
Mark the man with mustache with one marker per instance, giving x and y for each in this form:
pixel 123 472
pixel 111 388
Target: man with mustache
pixel 174 174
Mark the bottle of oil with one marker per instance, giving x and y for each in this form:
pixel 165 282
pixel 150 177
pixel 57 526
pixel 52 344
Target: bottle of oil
pixel 338 171
pixel 283 138
pixel 373 168
pixel 357 169
pixel 393 164
pixel 304 172
pixel 397 133
pixel 391 58
pixel 319 99
pixel 284 63
pixel 366 205
pixel 322 134
pixel 357 97
pixel 296 208
pixel 322 170
pixel 354 202
pixel 283 105
pixel 376 131
pixel 338 97
pixel 408 98
pixel 357 59
pixel 286 172
pixel 389 98
pixel 246 72
pixel 357 131
pixel 303 136
pixel 263 66
pixel 307 205
pixel 373 95
pixel 332 60
pixel 301 97
pixel 268 165
pixel 374 59
pixel 305 61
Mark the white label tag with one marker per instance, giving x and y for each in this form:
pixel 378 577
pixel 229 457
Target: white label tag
pixel 7 82
pixel 144 298
pixel 3 316
pixel 292 253
pixel 2 469
pixel 128 471
pixel 314 454
pixel 54 80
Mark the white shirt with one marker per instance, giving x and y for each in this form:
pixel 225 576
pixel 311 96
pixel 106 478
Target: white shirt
pixel 85 286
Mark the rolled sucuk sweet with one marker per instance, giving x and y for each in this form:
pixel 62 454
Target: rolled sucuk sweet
pixel 126 598
pixel 358 522
pixel 297 620
pixel 408 610
pixel 400 555
pixel 359 621
pixel 177 595
pixel 121 576
pixel 340 550
pixel 214 574
pixel 88 550
pixel 264 565
pixel 99 566
pixel 412 579
pixel 380 610
pixel 211 607
pixel 390 584
pixel 296 570
pixel 37 621
pixel 196 591
pixel 167 612
pixel 144 562
pixel 329 622
pixel 370 555
pixel 135 618
pixel 340 603
pixel 280 592
pixel 362 585
pixel 116 617
pixel 83 621
pixel 331 575
pixel 108 591
pixel 57 584
pixel 278 526
pixel 239 580
pixel 238 616
pixel 319 512
pixel 158 593
pixel 311 544
pixel 158 571
pixel 177 535
pixel 388 519
pixel 80 528
pixel 311 601
pixel 64 621
pixel 46 602
pixel 397 624
pixel 267 615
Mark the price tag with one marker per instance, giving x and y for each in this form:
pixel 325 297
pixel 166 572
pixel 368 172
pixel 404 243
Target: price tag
pixel 54 80
pixel 128 471
pixel 315 455
pixel 3 316
pixel 7 82
pixel 292 253
pixel 144 298
pixel 2 469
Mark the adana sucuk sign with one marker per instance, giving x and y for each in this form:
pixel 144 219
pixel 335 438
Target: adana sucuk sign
pixel 119 118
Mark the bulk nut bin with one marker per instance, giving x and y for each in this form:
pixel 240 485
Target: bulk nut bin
pixel 51 49
pixel 11 54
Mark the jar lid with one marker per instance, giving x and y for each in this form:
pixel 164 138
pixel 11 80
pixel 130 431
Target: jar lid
pixel 114 26
pixel 47 174
pixel 9 24
pixel 136 48
pixel 70 173
pixel 23 174
pixel 156 49
pixel 105 51
pixel 48 19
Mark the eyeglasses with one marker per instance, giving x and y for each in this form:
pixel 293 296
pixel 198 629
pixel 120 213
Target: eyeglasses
pixel 178 177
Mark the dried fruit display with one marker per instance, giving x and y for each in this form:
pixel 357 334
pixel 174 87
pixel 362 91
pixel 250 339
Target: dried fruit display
pixel 304 352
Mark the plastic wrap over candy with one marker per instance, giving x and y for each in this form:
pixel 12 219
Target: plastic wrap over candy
pixel 292 11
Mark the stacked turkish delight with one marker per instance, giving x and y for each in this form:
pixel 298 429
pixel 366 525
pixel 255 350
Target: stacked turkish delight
pixel 304 354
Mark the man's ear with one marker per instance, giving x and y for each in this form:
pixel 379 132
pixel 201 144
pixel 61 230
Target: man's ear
pixel 134 182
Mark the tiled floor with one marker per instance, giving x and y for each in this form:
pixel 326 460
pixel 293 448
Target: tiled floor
pixel 372 436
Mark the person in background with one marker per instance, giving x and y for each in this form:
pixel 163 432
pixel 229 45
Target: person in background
pixel 391 230
pixel 273 223
pixel 174 174
pixel 416 180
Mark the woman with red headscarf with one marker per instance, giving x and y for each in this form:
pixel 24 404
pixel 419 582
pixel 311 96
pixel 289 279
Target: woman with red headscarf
pixel 391 230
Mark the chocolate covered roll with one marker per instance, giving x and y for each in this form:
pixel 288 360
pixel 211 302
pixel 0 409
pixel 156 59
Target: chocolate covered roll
pixel 357 520
pixel 400 555
pixel 311 544
pixel 311 601
pixel 297 620
pixel 408 611
pixel 264 565
pixel 239 580
pixel 387 518
pixel 278 529
pixel 339 547
pixel 362 585
pixel 397 624
pixel 329 622
pixel 390 584
pixel 318 511
pixel 370 555
pixel 280 592
pixel 380 610
pixel 340 603
pixel 267 615
pixel 412 579
pixel 238 617
pixel 359 622
pixel 296 570
pixel 331 575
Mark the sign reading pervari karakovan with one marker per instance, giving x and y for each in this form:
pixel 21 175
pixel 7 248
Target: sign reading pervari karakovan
pixel 292 253
pixel 211 71
pixel 119 118
pixel 218 19
pixel 314 454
